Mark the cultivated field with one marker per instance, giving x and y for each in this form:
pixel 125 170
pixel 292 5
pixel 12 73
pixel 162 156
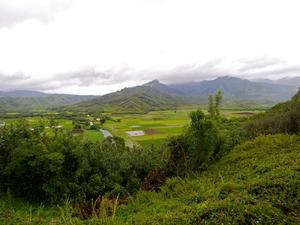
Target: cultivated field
pixel 158 125
pixel 147 130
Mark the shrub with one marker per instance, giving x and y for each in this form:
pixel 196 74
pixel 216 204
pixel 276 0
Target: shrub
pixel 44 168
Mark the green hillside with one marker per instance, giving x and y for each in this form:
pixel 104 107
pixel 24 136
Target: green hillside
pixel 257 183
pixel 148 97
pixel 36 103
pixel 282 118
pixel 157 96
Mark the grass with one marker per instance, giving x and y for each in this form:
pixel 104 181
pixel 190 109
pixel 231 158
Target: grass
pixel 257 183
pixel 93 135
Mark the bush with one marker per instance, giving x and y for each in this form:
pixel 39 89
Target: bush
pixel 44 168
pixel 204 141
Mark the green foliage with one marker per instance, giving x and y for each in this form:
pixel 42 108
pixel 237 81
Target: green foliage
pixel 211 107
pixel 199 145
pixel 282 118
pixel 49 168
pixel 256 183
pixel 202 136
pixel 218 101
pixel 214 103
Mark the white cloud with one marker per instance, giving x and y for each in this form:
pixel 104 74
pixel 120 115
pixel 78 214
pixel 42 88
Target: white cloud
pixel 16 11
pixel 150 39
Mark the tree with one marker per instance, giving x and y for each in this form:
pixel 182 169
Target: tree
pixel 214 103
pixel 211 107
pixel 218 101
pixel 202 135
pixel 195 147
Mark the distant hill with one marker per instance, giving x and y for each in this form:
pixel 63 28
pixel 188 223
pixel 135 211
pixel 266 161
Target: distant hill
pixel 237 89
pixel 155 95
pixel 150 96
pixel 23 93
pixel 25 100
pixel 291 81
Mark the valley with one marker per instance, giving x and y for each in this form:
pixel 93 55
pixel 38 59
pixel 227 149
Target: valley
pixel 152 155
pixel 149 112
pixel 155 126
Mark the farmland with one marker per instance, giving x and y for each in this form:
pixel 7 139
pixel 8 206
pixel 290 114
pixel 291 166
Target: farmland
pixel 87 134
pixel 155 127
pixel 158 125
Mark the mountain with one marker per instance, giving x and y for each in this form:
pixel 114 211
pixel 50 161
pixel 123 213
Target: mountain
pixel 23 93
pixel 155 95
pixel 26 100
pixel 237 89
pixel 150 96
pixel 291 81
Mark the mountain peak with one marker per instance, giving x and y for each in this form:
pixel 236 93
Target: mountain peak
pixel 228 78
pixel 153 83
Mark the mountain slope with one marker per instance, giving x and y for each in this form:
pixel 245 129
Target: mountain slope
pixel 150 96
pixel 23 93
pixel 24 101
pixel 237 89
pixel 155 95
pixel 291 81
pixel 282 118
pixel 257 183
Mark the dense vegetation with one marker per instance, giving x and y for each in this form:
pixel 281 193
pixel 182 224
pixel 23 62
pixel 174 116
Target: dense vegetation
pixel 256 183
pixel 212 173
pixel 283 118
pixel 50 168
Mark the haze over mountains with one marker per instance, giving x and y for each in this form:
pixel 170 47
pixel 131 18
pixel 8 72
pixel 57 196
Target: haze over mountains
pixel 291 81
pixel 26 100
pixel 155 95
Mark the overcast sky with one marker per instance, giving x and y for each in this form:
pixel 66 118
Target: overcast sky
pixel 99 46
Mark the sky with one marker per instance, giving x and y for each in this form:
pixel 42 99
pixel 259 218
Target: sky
pixel 100 46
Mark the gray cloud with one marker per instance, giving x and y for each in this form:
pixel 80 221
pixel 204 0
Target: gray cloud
pixel 260 63
pixel 291 70
pixel 13 77
pixel 90 76
pixel 191 72
pixel 16 11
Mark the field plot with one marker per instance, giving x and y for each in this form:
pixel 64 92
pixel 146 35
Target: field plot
pixel 153 128
pixel 150 128
pixel 91 135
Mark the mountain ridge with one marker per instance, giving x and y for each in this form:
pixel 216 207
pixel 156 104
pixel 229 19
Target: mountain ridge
pixel 27 100
pixel 155 95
